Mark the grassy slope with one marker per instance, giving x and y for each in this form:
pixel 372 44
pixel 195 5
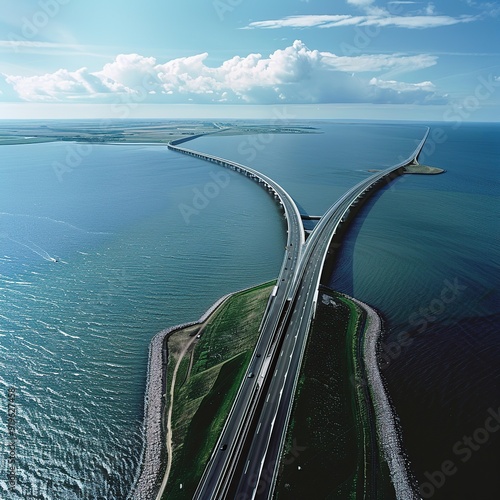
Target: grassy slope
pixel 204 400
pixel 322 420
pixel 328 437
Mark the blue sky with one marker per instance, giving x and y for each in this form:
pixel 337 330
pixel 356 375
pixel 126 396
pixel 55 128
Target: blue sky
pixel 370 59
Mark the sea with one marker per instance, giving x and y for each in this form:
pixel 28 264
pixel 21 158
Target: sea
pixel 102 246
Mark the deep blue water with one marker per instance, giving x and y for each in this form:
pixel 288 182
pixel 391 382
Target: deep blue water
pixel 139 249
pixel 429 247
pixel 425 252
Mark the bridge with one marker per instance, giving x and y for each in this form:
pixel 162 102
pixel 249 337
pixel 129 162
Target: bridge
pixel 244 464
pixel 236 428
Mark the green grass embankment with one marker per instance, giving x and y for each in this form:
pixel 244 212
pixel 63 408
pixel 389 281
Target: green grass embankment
pixel 329 448
pixel 207 384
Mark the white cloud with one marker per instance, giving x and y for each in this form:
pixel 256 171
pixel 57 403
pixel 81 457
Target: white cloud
pixel 295 74
pixel 402 86
pixel 417 22
pixel 368 6
pixel 374 17
pixel 379 62
pixel 402 92
pixel 127 72
pixel 308 21
pixel 16 44
pixel 36 47
pixel 430 9
pixel 489 9
pixel 57 86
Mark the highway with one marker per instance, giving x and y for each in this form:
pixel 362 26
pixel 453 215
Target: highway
pixel 261 467
pixel 222 462
pixel 255 430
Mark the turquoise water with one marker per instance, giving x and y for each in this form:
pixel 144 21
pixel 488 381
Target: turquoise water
pixel 74 334
pixel 145 238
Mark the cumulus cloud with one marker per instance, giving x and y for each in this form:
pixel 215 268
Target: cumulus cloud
pixel 127 72
pixel 57 86
pixel 295 74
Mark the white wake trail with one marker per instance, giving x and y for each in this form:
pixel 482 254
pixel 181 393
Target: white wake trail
pixel 44 255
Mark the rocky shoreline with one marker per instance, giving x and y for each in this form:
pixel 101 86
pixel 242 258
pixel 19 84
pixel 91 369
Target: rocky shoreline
pixel 387 430
pixel 149 479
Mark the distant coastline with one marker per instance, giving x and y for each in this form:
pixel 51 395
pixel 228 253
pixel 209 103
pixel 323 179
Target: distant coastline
pixel 132 132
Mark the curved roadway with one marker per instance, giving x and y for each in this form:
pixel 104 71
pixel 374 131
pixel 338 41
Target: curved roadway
pixel 222 462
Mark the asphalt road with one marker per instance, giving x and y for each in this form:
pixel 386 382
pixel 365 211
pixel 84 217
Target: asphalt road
pixel 225 458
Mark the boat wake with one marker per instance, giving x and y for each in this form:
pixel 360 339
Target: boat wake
pixel 33 247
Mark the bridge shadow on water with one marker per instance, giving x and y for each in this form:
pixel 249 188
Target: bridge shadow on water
pixel 339 268
pixel 302 210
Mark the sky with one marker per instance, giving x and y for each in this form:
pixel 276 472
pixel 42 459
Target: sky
pixel 371 59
